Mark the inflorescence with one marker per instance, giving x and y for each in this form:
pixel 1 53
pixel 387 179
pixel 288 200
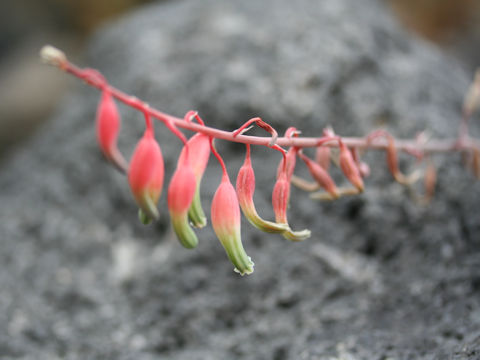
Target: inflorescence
pixel 145 170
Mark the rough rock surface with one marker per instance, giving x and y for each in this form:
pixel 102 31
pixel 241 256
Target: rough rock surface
pixel 381 277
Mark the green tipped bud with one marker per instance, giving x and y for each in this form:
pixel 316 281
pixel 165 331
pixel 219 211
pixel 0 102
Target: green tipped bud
pixel 199 147
pixel 181 192
pixel 226 224
pixel 195 213
pixel 184 232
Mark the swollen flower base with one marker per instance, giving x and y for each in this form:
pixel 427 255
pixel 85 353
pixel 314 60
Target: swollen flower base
pixel 145 171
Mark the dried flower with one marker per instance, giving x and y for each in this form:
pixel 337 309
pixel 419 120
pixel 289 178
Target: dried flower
pixel 145 175
pixel 108 127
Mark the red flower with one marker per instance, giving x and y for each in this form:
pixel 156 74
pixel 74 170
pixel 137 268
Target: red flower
pixel 225 214
pixel 280 199
pixel 245 191
pixel 321 176
pixel 145 174
pixel 349 167
pixel 108 127
pixel 199 148
pixel 181 192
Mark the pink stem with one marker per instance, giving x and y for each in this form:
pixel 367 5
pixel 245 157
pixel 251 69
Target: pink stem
pixel 93 79
pixel 220 160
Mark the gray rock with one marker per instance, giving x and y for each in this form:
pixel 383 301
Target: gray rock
pixel 82 279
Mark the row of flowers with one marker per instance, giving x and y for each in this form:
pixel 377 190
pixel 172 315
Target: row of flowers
pixel 145 173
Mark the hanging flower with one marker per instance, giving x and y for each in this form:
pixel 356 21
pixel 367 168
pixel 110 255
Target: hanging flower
pixel 245 190
pixel 108 127
pixel 321 176
pixel 280 199
pixel 226 224
pixel 199 147
pixel 145 175
pixel 350 168
pixel 181 192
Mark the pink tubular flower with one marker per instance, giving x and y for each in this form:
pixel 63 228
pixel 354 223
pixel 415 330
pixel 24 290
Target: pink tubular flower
pixel 108 127
pixel 199 147
pixel 280 199
pixel 245 190
pixel 226 224
pixel 349 167
pixel 321 176
pixel 181 192
pixel 145 175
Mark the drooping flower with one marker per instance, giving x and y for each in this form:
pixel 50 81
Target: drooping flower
pixel 245 190
pixel 145 175
pixel 350 168
pixel 199 147
pixel 280 199
pixel 181 192
pixel 107 128
pixel 321 176
pixel 226 222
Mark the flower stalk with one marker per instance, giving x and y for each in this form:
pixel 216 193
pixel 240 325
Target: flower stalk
pixel 145 171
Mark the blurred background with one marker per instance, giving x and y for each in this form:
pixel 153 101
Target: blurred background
pixel 28 93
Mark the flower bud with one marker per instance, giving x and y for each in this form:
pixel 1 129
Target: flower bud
pixel 321 176
pixel 145 174
pixel 108 127
pixel 181 192
pixel 225 214
pixel 322 157
pixel 350 168
pixel 245 191
pixel 199 148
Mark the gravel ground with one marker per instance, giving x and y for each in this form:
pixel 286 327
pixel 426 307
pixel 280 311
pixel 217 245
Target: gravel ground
pixel 381 278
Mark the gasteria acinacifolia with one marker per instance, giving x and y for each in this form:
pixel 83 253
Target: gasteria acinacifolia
pixel 145 170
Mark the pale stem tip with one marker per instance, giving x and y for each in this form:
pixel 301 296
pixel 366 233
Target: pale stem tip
pixel 52 56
